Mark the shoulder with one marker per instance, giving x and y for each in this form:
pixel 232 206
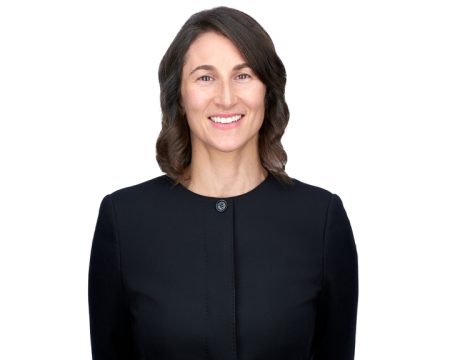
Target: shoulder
pixel 155 191
pixel 305 192
pixel 146 190
pixel 326 202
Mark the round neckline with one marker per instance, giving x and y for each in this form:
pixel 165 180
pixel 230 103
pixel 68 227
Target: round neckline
pixel 248 193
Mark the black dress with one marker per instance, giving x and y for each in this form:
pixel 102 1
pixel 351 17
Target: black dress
pixel 271 274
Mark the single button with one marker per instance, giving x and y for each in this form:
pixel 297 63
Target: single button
pixel 221 205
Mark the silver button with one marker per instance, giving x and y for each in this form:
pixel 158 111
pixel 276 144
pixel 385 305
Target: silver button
pixel 221 205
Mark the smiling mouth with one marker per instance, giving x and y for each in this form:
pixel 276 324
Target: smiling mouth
pixel 226 120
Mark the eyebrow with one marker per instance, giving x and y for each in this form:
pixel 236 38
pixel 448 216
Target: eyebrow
pixel 211 67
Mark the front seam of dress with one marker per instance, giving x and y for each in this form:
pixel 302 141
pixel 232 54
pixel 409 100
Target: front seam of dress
pixel 233 283
pixel 207 355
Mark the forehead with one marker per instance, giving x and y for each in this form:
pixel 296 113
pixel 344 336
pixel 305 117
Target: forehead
pixel 211 48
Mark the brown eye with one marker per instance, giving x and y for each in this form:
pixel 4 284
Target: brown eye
pixel 205 78
pixel 243 76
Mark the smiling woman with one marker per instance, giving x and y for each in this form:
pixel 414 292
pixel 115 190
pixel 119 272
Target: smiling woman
pixel 222 94
pixel 222 64
pixel 225 256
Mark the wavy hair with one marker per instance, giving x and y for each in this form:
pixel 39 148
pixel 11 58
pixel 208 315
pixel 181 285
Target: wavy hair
pixel 173 146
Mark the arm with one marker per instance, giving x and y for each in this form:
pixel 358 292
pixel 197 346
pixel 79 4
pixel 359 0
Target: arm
pixel 337 307
pixel 108 312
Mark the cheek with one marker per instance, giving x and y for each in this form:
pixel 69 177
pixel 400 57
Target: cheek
pixel 194 101
pixel 257 98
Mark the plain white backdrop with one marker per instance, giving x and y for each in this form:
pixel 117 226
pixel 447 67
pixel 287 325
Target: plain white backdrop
pixel 369 94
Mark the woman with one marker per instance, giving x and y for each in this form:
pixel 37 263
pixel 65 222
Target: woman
pixel 224 256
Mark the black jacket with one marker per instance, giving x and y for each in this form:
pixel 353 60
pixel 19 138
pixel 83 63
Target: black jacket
pixel 271 274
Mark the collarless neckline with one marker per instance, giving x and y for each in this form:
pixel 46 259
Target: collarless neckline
pixel 257 188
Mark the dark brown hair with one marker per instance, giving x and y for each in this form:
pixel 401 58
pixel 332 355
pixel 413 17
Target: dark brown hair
pixel 173 146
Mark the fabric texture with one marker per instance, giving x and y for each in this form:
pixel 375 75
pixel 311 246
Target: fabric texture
pixel 271 274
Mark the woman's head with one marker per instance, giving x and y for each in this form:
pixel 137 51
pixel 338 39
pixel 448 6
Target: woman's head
pixel 244 40
pixel 222 98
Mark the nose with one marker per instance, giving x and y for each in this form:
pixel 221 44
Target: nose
pixel 225 95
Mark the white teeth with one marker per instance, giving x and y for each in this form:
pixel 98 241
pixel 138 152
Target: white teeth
pixel 226 120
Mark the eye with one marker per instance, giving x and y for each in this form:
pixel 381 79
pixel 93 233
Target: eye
pixel 205 78
pixel 243 76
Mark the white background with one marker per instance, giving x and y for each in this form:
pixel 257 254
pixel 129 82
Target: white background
pixel 368 90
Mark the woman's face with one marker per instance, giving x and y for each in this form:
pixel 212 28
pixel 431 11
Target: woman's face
pixel 217 87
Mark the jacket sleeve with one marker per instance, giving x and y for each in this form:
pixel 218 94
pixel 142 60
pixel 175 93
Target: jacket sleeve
pixel 108 311
pixel 338 301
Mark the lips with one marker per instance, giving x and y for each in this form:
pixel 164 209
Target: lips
pixel 225 118
pixel 226 121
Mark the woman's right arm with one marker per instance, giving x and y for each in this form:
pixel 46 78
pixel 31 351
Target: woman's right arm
pixel 108 311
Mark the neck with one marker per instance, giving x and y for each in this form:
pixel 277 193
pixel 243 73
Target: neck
pixel 224 174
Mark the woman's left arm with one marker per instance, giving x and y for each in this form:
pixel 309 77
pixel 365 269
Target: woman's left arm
pixel 337 307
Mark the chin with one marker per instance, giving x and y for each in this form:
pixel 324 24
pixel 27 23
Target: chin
pixel 230 146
